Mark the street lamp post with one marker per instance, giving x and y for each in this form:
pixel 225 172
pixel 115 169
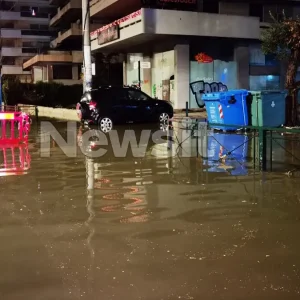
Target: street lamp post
pixel 87 59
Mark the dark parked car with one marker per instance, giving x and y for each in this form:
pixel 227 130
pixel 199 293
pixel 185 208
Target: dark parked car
pixel 106 106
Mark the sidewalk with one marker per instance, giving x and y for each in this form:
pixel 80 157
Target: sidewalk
pixel 199 114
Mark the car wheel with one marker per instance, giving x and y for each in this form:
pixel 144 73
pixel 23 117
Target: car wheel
pixel 105 124
pixel 164 117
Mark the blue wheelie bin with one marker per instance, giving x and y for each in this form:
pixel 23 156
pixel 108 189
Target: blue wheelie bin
pixel 220 144
pixel 228 108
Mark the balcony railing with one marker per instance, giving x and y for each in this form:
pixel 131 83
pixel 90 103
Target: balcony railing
pixel 36 15
pixel 38 32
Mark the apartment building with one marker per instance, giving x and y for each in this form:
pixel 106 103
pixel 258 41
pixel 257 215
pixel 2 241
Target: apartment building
pixel 24 33
pixel 176 49
pixel 63 61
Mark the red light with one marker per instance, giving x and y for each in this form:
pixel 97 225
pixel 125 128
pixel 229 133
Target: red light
pixel 92 105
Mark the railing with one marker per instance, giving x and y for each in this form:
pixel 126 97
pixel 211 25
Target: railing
pixel 15 127
pixel 14 159
pixel 272 149
pixel 37 15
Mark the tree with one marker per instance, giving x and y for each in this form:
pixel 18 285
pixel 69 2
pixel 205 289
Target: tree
pixel 282 39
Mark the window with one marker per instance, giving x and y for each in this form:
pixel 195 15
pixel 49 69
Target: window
pixel 258 58
pixel 211 6
pixel 62 72
pixel 137 95
pixel 264 82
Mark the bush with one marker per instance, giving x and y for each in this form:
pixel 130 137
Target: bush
pixel 49 94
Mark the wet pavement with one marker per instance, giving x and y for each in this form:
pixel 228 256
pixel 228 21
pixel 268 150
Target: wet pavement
pixel 146 228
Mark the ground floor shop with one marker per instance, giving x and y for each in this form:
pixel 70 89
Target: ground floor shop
pixel 173 61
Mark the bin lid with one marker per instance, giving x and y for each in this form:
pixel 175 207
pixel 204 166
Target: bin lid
pixel 223 95
pixel 236 92
pixel 213 96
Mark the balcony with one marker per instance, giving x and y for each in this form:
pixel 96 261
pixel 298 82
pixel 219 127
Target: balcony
pixel 55 57
pixel 75 32
pixel 13 70
pixel 108 9
pixel 13 51
pixel 9 15
pixel 10 33
pixel 69 13
pixel 24 16
pixel 72 34
pixel 41 35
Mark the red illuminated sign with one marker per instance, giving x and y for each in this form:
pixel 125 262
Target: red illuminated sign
pixel 203 58
pixel 108 35
pixel 132 17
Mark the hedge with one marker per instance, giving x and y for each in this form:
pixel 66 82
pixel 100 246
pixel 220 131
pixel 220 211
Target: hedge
pixel 49 94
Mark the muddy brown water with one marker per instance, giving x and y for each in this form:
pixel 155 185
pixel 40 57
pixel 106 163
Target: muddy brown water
pixel 146 228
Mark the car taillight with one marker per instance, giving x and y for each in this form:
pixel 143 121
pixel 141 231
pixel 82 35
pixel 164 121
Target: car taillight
pixel 92 105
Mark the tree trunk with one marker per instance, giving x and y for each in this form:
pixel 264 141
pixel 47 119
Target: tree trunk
pixel 290 84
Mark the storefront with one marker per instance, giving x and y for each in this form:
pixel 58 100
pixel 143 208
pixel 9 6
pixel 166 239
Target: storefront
pixel 191 60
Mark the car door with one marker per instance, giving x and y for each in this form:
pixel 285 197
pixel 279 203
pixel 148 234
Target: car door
pixel 117 105
pixel 142 103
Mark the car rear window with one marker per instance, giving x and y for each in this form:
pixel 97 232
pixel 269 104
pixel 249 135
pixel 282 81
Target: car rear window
pixel 109 94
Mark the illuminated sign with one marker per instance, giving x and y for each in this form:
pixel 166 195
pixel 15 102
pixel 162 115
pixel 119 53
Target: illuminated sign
pixel 203 58
pixel 108 35
pixel 132 17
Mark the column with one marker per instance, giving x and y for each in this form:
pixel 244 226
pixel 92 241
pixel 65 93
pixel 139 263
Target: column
pixel 50 73
pixel 74 72
pixel 242 59
pixel 182 76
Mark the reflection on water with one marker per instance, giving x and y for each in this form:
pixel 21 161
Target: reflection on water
pixel 147 228
pixel 14 159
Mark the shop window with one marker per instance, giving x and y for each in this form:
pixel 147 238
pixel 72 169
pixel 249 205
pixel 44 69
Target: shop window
pixel 258 58
pixel 264 82
pixel 163 75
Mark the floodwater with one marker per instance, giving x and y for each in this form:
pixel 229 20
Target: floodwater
pixel 146 228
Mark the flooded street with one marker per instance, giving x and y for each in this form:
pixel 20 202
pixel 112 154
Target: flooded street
pixel 146 228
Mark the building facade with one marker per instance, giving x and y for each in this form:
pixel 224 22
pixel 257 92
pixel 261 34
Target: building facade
pixel 24 33
pixel 178 49
pixel 62 63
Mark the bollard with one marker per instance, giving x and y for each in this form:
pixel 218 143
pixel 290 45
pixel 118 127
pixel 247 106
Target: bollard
pixel 186 109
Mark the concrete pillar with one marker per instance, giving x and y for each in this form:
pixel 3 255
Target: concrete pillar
pixel 124 72
pixel 181 76
pixel 75 72
pixel 50 73
pixel 242 59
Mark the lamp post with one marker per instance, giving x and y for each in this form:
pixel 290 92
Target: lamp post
pixel 86 45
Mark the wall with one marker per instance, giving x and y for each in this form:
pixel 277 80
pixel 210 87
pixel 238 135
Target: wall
pixel 56 113
pixel 223 68
pixel 173 22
